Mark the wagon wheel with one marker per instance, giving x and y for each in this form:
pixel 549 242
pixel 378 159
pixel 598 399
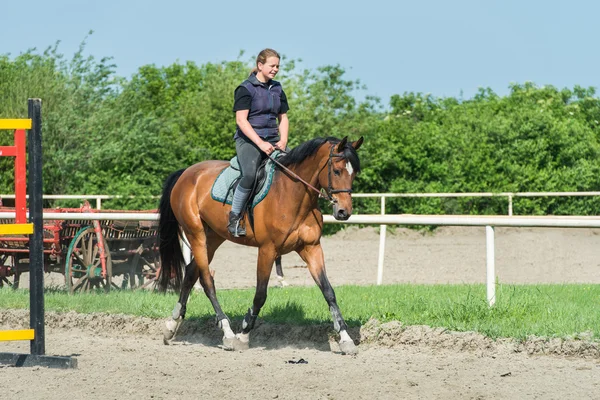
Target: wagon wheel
pixel 83 268
pixel 8 268
pixel 148 276
pixel 16 272
pixel 145 266
pixel 129 271
pixel 150 269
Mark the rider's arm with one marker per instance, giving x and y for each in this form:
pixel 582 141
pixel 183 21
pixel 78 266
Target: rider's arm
pixel 284 127
pixel 241 119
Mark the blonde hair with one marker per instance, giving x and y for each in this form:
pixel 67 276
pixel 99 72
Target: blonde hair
pixel 262 58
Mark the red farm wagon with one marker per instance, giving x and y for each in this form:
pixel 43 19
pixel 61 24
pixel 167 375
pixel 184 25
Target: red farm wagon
pixel 90 254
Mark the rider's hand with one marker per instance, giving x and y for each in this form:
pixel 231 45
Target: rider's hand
pixel 281 145
pixel 266 147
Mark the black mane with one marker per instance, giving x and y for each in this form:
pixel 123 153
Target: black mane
pixel 309 148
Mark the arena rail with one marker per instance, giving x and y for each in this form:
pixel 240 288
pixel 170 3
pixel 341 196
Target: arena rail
pixel 489 221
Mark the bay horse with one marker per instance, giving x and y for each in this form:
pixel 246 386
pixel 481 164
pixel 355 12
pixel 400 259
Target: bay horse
pixel 287 219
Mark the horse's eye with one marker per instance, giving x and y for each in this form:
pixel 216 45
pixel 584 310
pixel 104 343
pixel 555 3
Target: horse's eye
pixel 337 172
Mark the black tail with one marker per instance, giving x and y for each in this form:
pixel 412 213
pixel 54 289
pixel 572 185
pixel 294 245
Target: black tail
pixel 171 257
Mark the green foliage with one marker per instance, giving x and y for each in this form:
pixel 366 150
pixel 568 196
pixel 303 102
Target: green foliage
pixel 104 134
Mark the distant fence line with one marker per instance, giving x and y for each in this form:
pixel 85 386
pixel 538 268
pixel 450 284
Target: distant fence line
pixel 382 196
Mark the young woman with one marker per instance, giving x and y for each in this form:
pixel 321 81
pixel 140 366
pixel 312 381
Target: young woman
pixel 260 107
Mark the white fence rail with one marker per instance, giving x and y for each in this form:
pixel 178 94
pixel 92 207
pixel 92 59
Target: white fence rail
pixel 438 220
pixel 509 196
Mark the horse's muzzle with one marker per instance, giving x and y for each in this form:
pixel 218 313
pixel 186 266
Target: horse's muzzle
pixel 340 214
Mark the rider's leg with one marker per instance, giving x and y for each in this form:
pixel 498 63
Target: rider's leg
pixel 249 157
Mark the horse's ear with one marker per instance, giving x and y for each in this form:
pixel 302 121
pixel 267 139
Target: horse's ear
pixel 358 143
pixel 342 144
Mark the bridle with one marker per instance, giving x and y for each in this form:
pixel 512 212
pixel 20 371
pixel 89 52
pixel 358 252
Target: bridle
pixel 329 191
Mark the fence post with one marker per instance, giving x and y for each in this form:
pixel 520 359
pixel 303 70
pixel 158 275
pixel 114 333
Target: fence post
pixel 382 230
pixel 510 204
pixel 490 266
pixel 36 250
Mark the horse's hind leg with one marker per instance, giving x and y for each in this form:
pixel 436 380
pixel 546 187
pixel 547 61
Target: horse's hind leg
pixel 313 256
pixel 172 325
pixel 203 248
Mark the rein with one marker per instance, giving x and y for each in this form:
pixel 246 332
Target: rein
pixel 328 193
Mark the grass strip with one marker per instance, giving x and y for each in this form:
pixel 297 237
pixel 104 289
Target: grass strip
pixel 562 311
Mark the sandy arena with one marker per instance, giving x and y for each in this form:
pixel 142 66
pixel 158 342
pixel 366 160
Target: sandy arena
pixel 124 357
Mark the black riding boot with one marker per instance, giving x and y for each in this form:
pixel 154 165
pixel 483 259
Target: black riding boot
pixel 235 225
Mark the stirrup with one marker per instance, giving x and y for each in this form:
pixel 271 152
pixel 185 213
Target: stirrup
pixel 235 228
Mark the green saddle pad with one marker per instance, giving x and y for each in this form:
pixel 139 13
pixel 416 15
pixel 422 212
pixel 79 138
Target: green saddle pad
pixel 222 184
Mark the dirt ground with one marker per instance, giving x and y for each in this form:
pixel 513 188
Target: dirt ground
pixel 121 356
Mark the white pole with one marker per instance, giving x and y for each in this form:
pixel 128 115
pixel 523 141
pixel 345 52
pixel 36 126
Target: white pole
pixel 490 270
pixel 382 230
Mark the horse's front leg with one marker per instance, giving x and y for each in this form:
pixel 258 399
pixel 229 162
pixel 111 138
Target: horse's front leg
pixel 266 256
pixel 279 270
pixel 313 256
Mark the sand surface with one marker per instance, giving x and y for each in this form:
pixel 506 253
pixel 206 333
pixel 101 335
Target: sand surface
pixel 124 357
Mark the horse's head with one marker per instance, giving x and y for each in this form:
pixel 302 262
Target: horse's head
pixel 342 166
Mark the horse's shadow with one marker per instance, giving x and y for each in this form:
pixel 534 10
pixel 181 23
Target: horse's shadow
pixel 277 327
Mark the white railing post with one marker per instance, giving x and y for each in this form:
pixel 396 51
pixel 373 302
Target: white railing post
pixel 510 204
pixel 98 203
pixel 490 267
pixel 382 230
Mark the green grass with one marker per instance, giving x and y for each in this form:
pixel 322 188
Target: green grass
pixel 520 311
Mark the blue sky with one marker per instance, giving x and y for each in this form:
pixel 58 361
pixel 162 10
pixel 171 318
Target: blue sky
pixel 440 47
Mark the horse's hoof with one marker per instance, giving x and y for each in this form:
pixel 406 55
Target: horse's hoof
pixel 170 330
pixel 242 342
pixel 348 348
pixel 168 336
pixel 229 343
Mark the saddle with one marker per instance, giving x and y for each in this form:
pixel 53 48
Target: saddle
pixel 224 186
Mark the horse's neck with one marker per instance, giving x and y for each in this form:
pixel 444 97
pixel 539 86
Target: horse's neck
pixel 309 172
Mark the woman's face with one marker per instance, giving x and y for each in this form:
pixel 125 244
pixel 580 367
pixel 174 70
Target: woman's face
pixel 268 70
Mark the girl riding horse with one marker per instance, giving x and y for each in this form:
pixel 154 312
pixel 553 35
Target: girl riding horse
pixel 288 219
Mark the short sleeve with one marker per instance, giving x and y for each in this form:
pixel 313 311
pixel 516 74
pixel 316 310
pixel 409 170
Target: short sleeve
pixel 284 104
pixel 242 99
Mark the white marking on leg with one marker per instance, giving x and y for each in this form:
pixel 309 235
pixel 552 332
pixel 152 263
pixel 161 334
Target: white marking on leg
pixel 344 337
pixel 226 328
pixel 243 337
pixel 282 281
pixel 177 311
pixel 349 167
pixel 172 324
pixel 335 315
